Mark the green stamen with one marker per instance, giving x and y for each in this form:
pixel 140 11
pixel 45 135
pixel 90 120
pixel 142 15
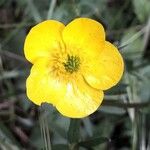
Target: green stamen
pixel 72 64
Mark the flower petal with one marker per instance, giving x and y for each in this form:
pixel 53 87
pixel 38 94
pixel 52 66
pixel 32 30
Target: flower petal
pixel 73 98
pixel 106 70
pixel 84 35
pixel 80 100
pixel 42 39
pixel 42 85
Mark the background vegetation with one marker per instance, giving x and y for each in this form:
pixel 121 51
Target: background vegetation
pixel 123 120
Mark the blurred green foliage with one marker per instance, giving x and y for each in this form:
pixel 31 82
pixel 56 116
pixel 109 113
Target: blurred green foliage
pixel 123 120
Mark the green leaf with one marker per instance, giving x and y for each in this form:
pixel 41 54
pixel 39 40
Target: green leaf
pixel 36 138
pixel 88 126
pixel 64 12
pixel 74 131
pixel 93 142
pixel 60 146
pixel 34 11
pixel 134 44
pixel 117 90
pixel 7 139
pixel 141 8
pixel 112 110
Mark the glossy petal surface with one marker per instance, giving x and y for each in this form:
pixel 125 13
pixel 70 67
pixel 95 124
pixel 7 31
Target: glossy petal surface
pixel 80 100
pixel 106 69
pixel 74 98
pixel 42 85
pixel 84 35
pixel 43 39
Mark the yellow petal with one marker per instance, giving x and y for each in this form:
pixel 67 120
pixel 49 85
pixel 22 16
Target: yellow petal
pixel 73 99
pixel 106 70
pixel 42 39
pixel 80 100
pixel 84 35
pixel 42 85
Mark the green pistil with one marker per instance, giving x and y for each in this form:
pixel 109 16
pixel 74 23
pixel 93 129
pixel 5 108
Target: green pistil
pixel 72 64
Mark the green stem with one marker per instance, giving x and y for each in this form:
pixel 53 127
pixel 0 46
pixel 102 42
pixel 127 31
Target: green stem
pixel 115 103
pixel 44 128
pixel 135 131
pixel 74 134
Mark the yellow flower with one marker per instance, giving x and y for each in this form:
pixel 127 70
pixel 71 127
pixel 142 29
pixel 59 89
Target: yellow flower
pixel 72 65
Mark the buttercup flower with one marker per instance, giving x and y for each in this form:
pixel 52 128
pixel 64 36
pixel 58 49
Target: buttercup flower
pixel 72 65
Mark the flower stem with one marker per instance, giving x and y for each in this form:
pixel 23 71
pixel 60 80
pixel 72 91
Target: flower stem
pixel 44 128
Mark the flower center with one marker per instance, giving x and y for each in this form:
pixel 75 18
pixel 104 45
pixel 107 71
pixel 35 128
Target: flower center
pixel 72 64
